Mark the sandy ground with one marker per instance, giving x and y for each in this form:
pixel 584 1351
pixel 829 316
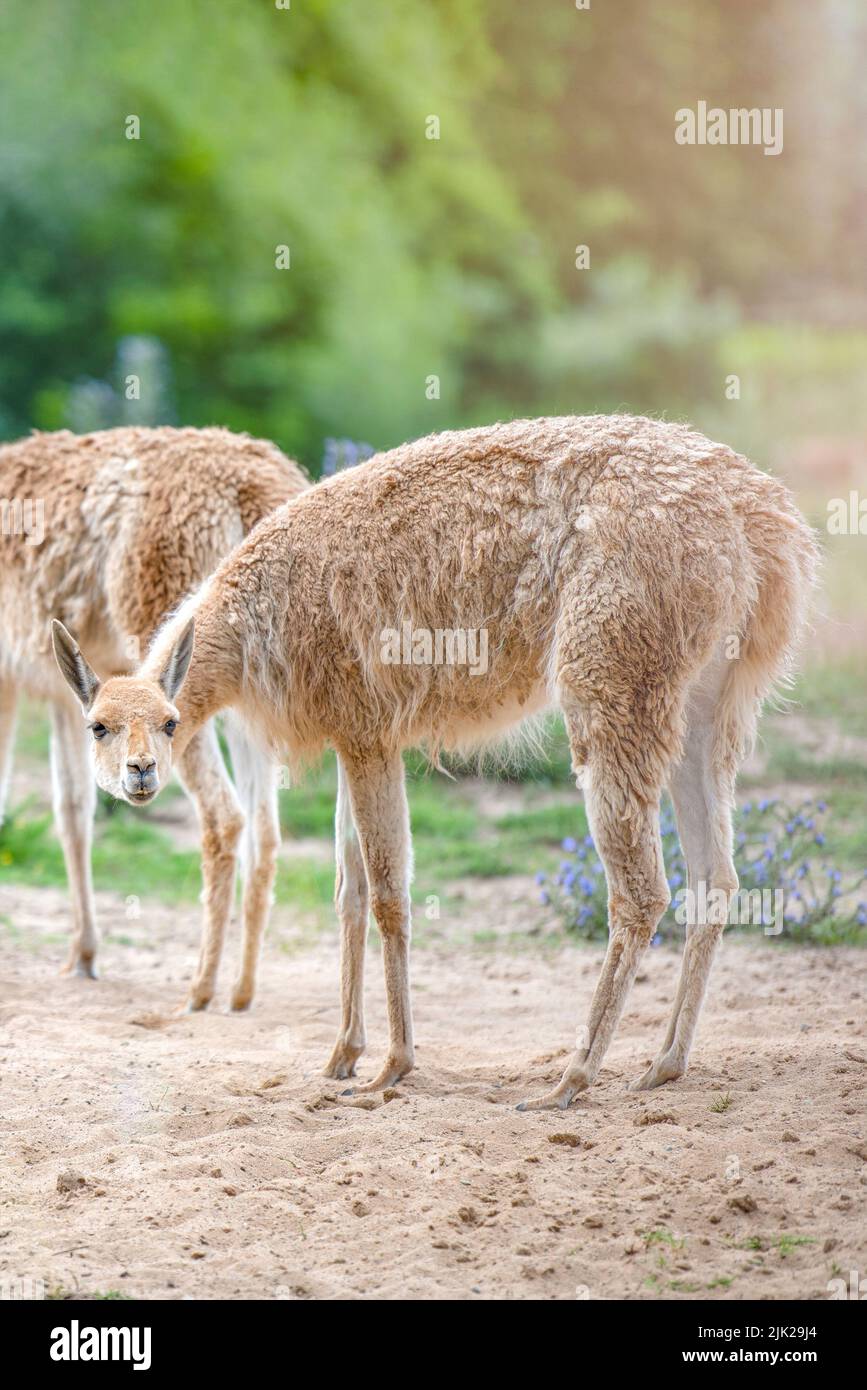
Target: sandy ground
pixel 204 1156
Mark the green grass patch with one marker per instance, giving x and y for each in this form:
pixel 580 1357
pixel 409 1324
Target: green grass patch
pixel 133 857
pixel 835 692
pixel 129 857
pixel 546 824
pixel 662 1236
pixel 789 763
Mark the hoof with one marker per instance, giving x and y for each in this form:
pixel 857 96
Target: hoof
pixel 392 1072
pixel 85 969
pixel 195 1006
pixel 657 1074
pixel 339 1071
pixel 341 1063
pixel 561 1097
pixel 549 1102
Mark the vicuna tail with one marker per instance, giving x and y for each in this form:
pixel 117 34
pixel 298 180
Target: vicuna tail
pixel 785 559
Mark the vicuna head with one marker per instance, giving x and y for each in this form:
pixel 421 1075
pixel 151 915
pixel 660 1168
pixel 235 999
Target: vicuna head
pixel 132 718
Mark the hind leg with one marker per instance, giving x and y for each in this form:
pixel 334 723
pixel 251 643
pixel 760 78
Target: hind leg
pixel 624 822
pixel 377 795
pixel 8 707
pixel 351 901
pixel 703 796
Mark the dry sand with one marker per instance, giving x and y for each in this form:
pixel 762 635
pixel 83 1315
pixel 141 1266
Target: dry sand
pixel 204 1156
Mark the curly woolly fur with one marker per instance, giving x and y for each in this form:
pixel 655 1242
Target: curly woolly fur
pixel 603 555
pixel 614 563
pixel 134 519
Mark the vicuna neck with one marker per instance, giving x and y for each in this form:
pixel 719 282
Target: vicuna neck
pixel 213 680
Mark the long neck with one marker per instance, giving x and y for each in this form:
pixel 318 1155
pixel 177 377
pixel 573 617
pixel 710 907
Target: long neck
pixel 214 677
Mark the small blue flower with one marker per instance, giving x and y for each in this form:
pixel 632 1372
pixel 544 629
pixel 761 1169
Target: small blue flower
pixel 569 845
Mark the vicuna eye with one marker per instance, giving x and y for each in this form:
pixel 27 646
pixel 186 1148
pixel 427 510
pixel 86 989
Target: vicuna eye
pixel 98 730
pixel 170 726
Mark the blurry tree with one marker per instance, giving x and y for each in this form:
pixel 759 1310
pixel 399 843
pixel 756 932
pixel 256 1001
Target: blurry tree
pixel 407 257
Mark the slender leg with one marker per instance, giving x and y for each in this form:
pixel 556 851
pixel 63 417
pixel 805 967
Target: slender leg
pixel 255 777
pixel 351 901
pixel 203 775
pixel 703 798
pixel 74 805
pixel 8 707
pixel 379 808
pixel 625 829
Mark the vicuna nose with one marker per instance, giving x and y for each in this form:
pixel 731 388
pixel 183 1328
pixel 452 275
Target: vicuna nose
pixel 142 763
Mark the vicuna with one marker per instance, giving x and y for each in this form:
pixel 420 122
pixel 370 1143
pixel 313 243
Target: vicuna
pixel 616 564
pixel 132 521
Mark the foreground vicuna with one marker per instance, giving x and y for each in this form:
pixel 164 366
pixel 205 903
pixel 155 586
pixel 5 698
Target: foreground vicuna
pixel 650 582
pixel 121 525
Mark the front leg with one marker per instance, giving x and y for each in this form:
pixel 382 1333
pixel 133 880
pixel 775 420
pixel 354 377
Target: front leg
pixel 351 902
pixel 203 775
pixel 378 797
pixel 255 777
pixel 74 805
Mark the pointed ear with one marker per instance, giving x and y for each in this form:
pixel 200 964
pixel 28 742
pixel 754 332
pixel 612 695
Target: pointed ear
pixel 171 677
pixel 73 666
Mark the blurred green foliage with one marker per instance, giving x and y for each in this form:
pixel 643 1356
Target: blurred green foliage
pixel 410 257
